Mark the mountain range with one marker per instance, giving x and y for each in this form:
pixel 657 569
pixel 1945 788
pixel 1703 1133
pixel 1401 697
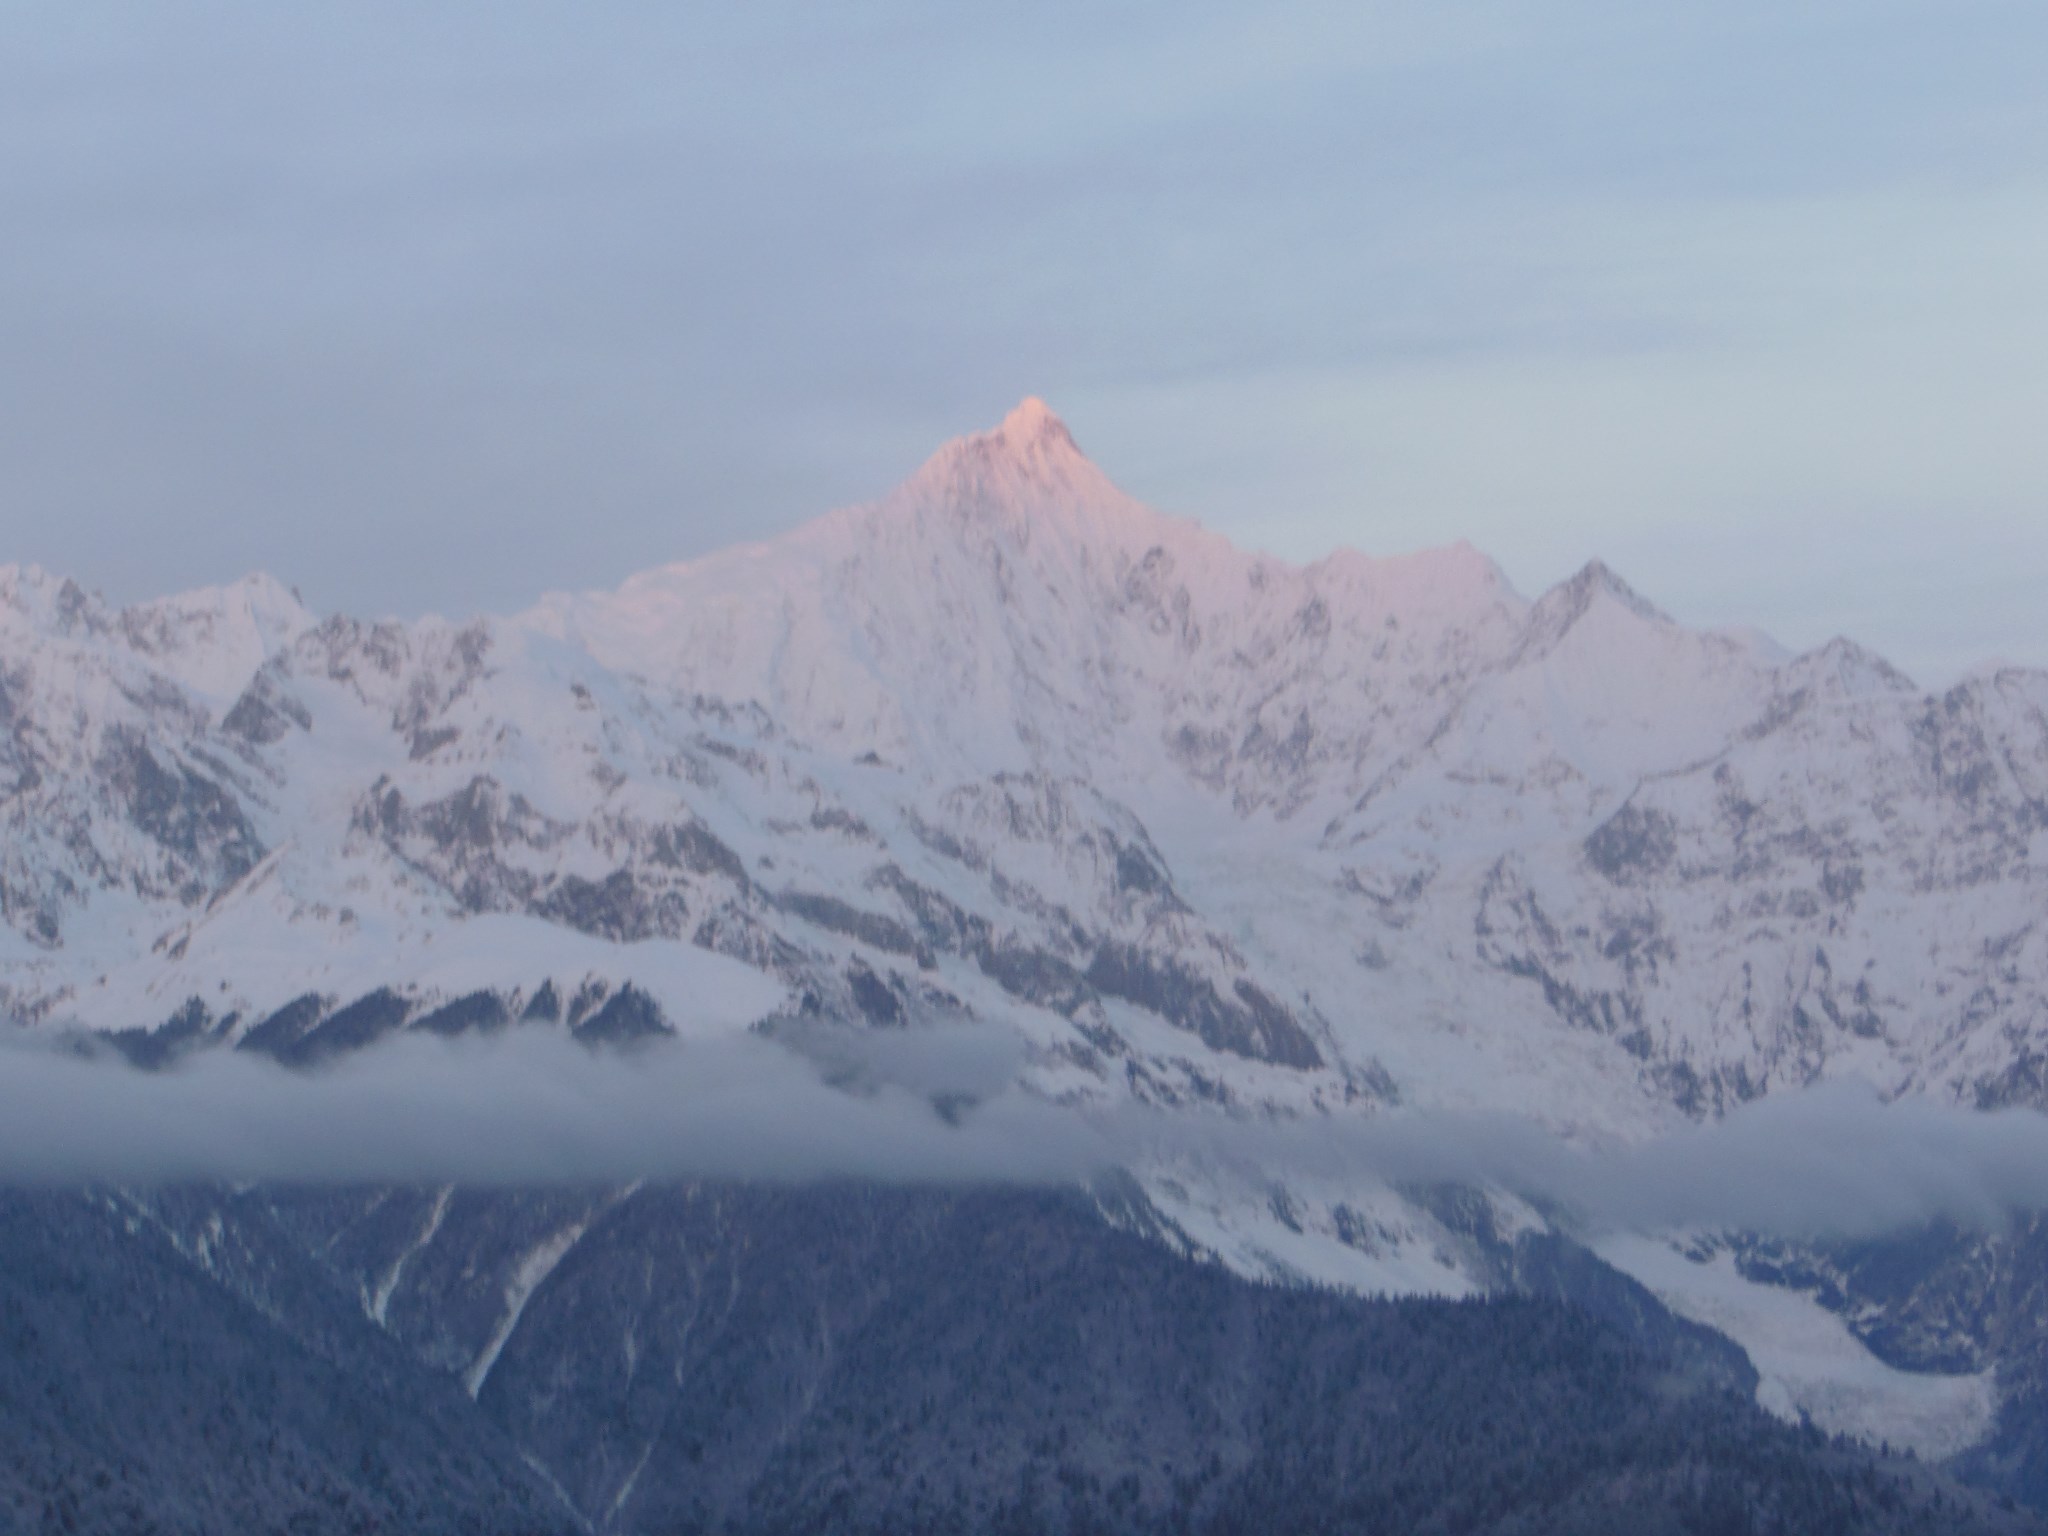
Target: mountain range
pixel 1192 828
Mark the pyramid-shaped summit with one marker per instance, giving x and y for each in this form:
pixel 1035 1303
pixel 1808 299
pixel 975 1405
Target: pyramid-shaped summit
pixel 1032 422
pixel 1028 463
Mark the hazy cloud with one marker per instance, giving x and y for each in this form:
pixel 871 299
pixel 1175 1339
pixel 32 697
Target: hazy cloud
pixel 535 1108
pixel 1831 1161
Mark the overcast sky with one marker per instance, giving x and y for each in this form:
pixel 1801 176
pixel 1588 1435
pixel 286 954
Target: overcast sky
pixel 435 307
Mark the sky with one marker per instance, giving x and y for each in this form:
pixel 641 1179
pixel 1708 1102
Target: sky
pixel 434 308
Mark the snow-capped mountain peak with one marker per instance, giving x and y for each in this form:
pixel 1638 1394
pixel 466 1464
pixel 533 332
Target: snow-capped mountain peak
pixel 1029 445
pixel 1072 757
pixel 1028 467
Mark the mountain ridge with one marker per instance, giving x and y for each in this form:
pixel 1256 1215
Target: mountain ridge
pixel 1381 700
pixel 1188 824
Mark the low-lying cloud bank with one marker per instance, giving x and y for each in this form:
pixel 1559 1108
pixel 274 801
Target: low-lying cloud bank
pixel 1830 1161
pixel 942 1108
pixel 533 1107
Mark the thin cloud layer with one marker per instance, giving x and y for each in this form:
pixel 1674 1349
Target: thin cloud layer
pixel 530 1109
pixel 1834 1161
pixel 536 1108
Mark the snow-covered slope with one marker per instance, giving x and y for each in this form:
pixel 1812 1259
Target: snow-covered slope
pixel 1009 608
pixel 1007 743
pixel 1195 824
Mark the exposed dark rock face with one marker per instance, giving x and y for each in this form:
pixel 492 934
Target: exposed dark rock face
pixel 842 917
pixel 279 1034
pixel 479 1011
pixel 266 712
pixel 613 908
pixel 360 1023
pixel 878 1004
pixel 463 839
pixel 693 846
pixel 1632 845
pixel 628 1015
pixel 196 821
pixel 2023 1082
pixel 1249 1024
pixel 309 1031
pixel 1137 873
pixel 153 1049
pixel 1034 976
pixel 943 924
